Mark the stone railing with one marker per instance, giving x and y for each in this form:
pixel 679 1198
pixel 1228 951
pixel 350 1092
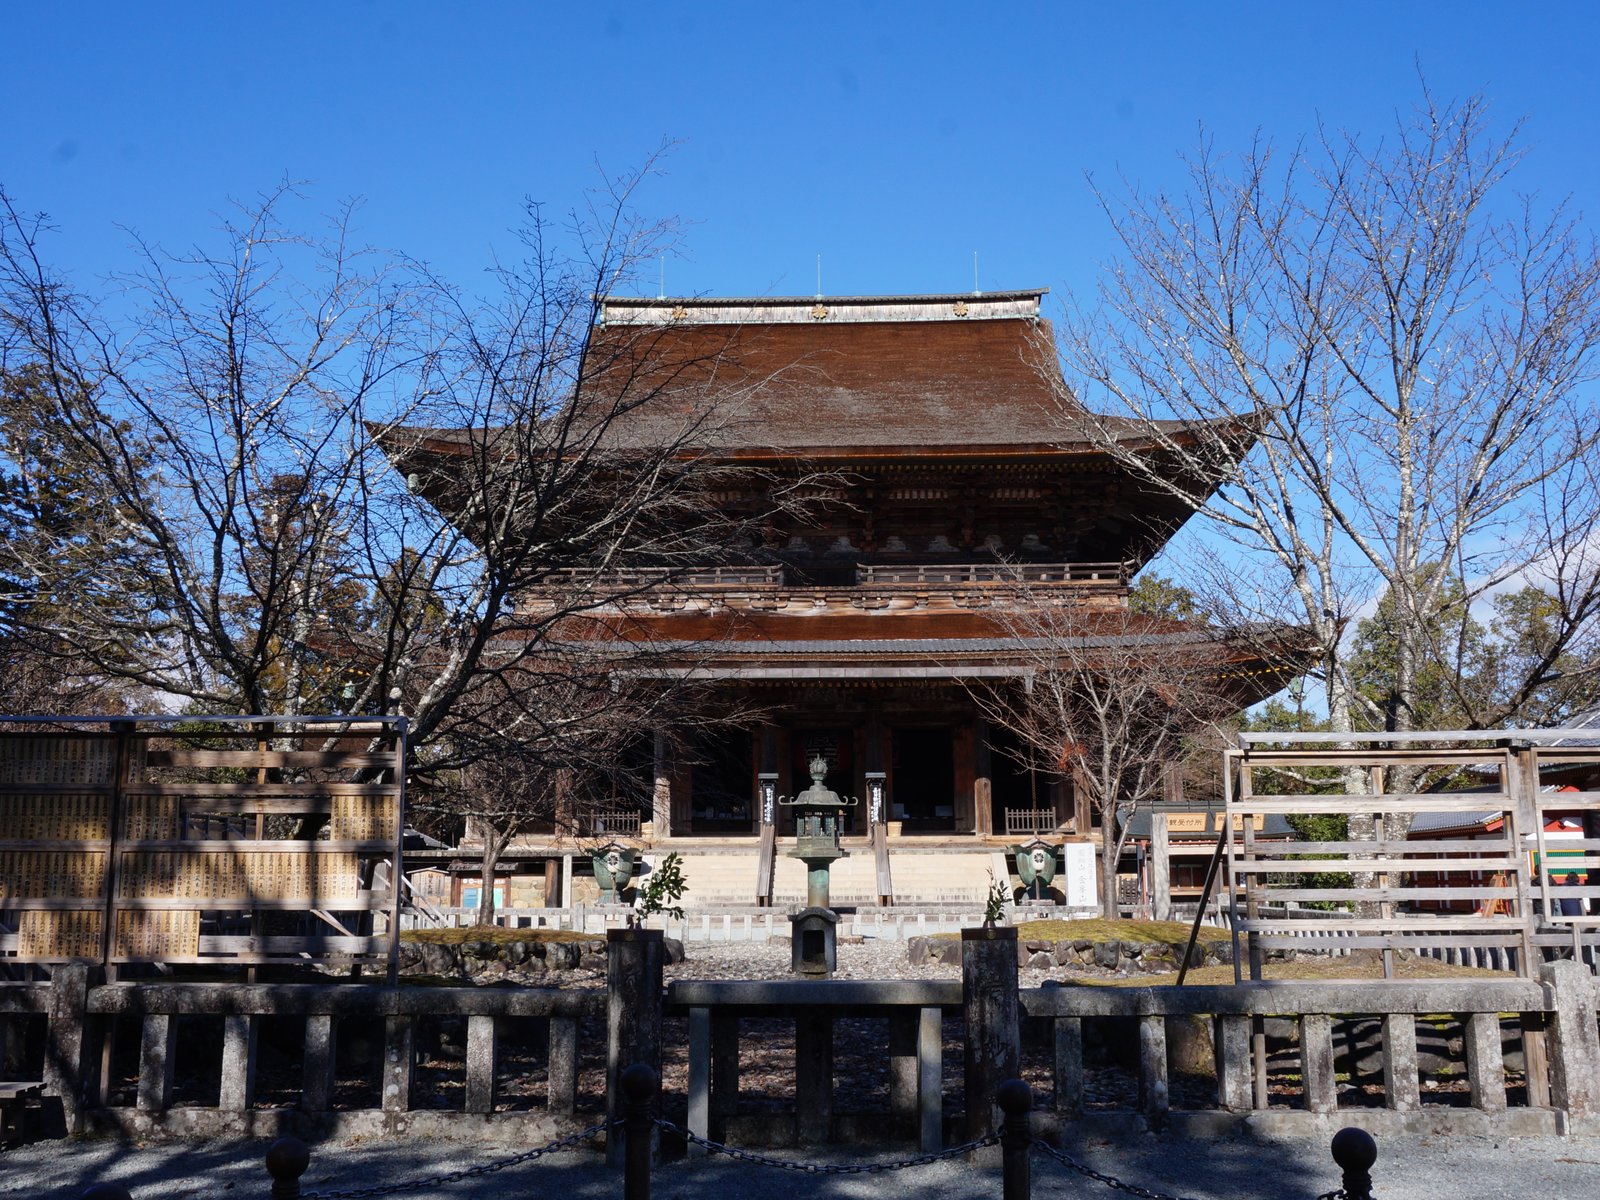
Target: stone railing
pixel 1549 1025
pixel 1263 1051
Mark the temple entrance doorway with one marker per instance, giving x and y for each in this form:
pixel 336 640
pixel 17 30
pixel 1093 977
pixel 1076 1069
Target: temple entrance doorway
pixel 922 787
pixel 1015 787
pixel 722 787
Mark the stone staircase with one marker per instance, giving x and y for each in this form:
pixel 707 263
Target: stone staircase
pixel 726 877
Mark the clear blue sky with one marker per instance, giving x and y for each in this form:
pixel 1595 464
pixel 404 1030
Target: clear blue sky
pixel 894 139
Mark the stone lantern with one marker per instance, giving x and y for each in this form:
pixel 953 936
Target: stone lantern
pixel 818 812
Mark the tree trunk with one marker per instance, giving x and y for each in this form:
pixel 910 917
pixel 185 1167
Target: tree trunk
pixel 494 845
pixel 1110 851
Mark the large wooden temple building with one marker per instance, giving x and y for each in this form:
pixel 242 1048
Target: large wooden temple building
pixel 960 486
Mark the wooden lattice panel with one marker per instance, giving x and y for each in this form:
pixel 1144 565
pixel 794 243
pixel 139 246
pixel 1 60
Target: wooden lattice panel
pixel 157 935
pixel 59 935
pixel 51 874
pixel 150 818
pixel 362 818
pixel 54 818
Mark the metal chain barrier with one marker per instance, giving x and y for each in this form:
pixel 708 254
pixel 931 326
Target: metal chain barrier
pixel 488 1168
pixel 815 1168
pixel 1111 1181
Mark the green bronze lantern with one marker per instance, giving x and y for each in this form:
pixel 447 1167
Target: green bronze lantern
pixel 818 818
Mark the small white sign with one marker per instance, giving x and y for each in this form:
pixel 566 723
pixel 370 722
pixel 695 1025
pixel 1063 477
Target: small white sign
pixel 1079 885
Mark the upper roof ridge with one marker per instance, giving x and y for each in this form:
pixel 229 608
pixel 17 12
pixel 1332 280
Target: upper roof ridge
pixel 767 310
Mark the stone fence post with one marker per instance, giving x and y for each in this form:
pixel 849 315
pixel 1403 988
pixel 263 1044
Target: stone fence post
pixel 1574 1043
pixel 634 960
pixel 67 1043
pixel 990 1004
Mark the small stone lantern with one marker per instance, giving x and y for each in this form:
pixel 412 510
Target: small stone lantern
pixel 818 813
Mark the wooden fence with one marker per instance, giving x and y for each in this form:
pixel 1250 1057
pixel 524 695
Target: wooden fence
pixel 200 840
pixel 1459 853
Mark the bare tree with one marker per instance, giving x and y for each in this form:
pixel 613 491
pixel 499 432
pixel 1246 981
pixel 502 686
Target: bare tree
pixel 1112 699
pixel 351 486
pixel 1382 356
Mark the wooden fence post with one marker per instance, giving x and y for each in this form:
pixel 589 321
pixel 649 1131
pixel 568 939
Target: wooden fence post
pixel 989 1000
pixel 634 959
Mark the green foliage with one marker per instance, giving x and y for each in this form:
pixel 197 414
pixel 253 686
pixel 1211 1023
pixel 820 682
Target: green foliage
pixel 663 888
pixel 1155 595
pixel 1521 667
pixel 994 906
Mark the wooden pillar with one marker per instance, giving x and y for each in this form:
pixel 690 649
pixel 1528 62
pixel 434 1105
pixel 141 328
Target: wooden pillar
pixel 552 883
pixel 1082 811
pixel 634 959
pixel 983 780
pixel 989 999
pixel 965 750
pixel 661 795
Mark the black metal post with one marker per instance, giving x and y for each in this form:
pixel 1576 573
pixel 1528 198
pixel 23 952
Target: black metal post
pixel 106 1191
pixel 287 1160
pixel 1355 1151
pixel 638 1094
pixel 1015 1098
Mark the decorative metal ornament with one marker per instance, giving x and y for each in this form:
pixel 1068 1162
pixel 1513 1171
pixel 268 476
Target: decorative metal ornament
pixel 613 868
pixel 819 312
pixel 1036 866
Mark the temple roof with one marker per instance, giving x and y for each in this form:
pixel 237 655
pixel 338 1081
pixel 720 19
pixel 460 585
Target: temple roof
pixel 872 377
